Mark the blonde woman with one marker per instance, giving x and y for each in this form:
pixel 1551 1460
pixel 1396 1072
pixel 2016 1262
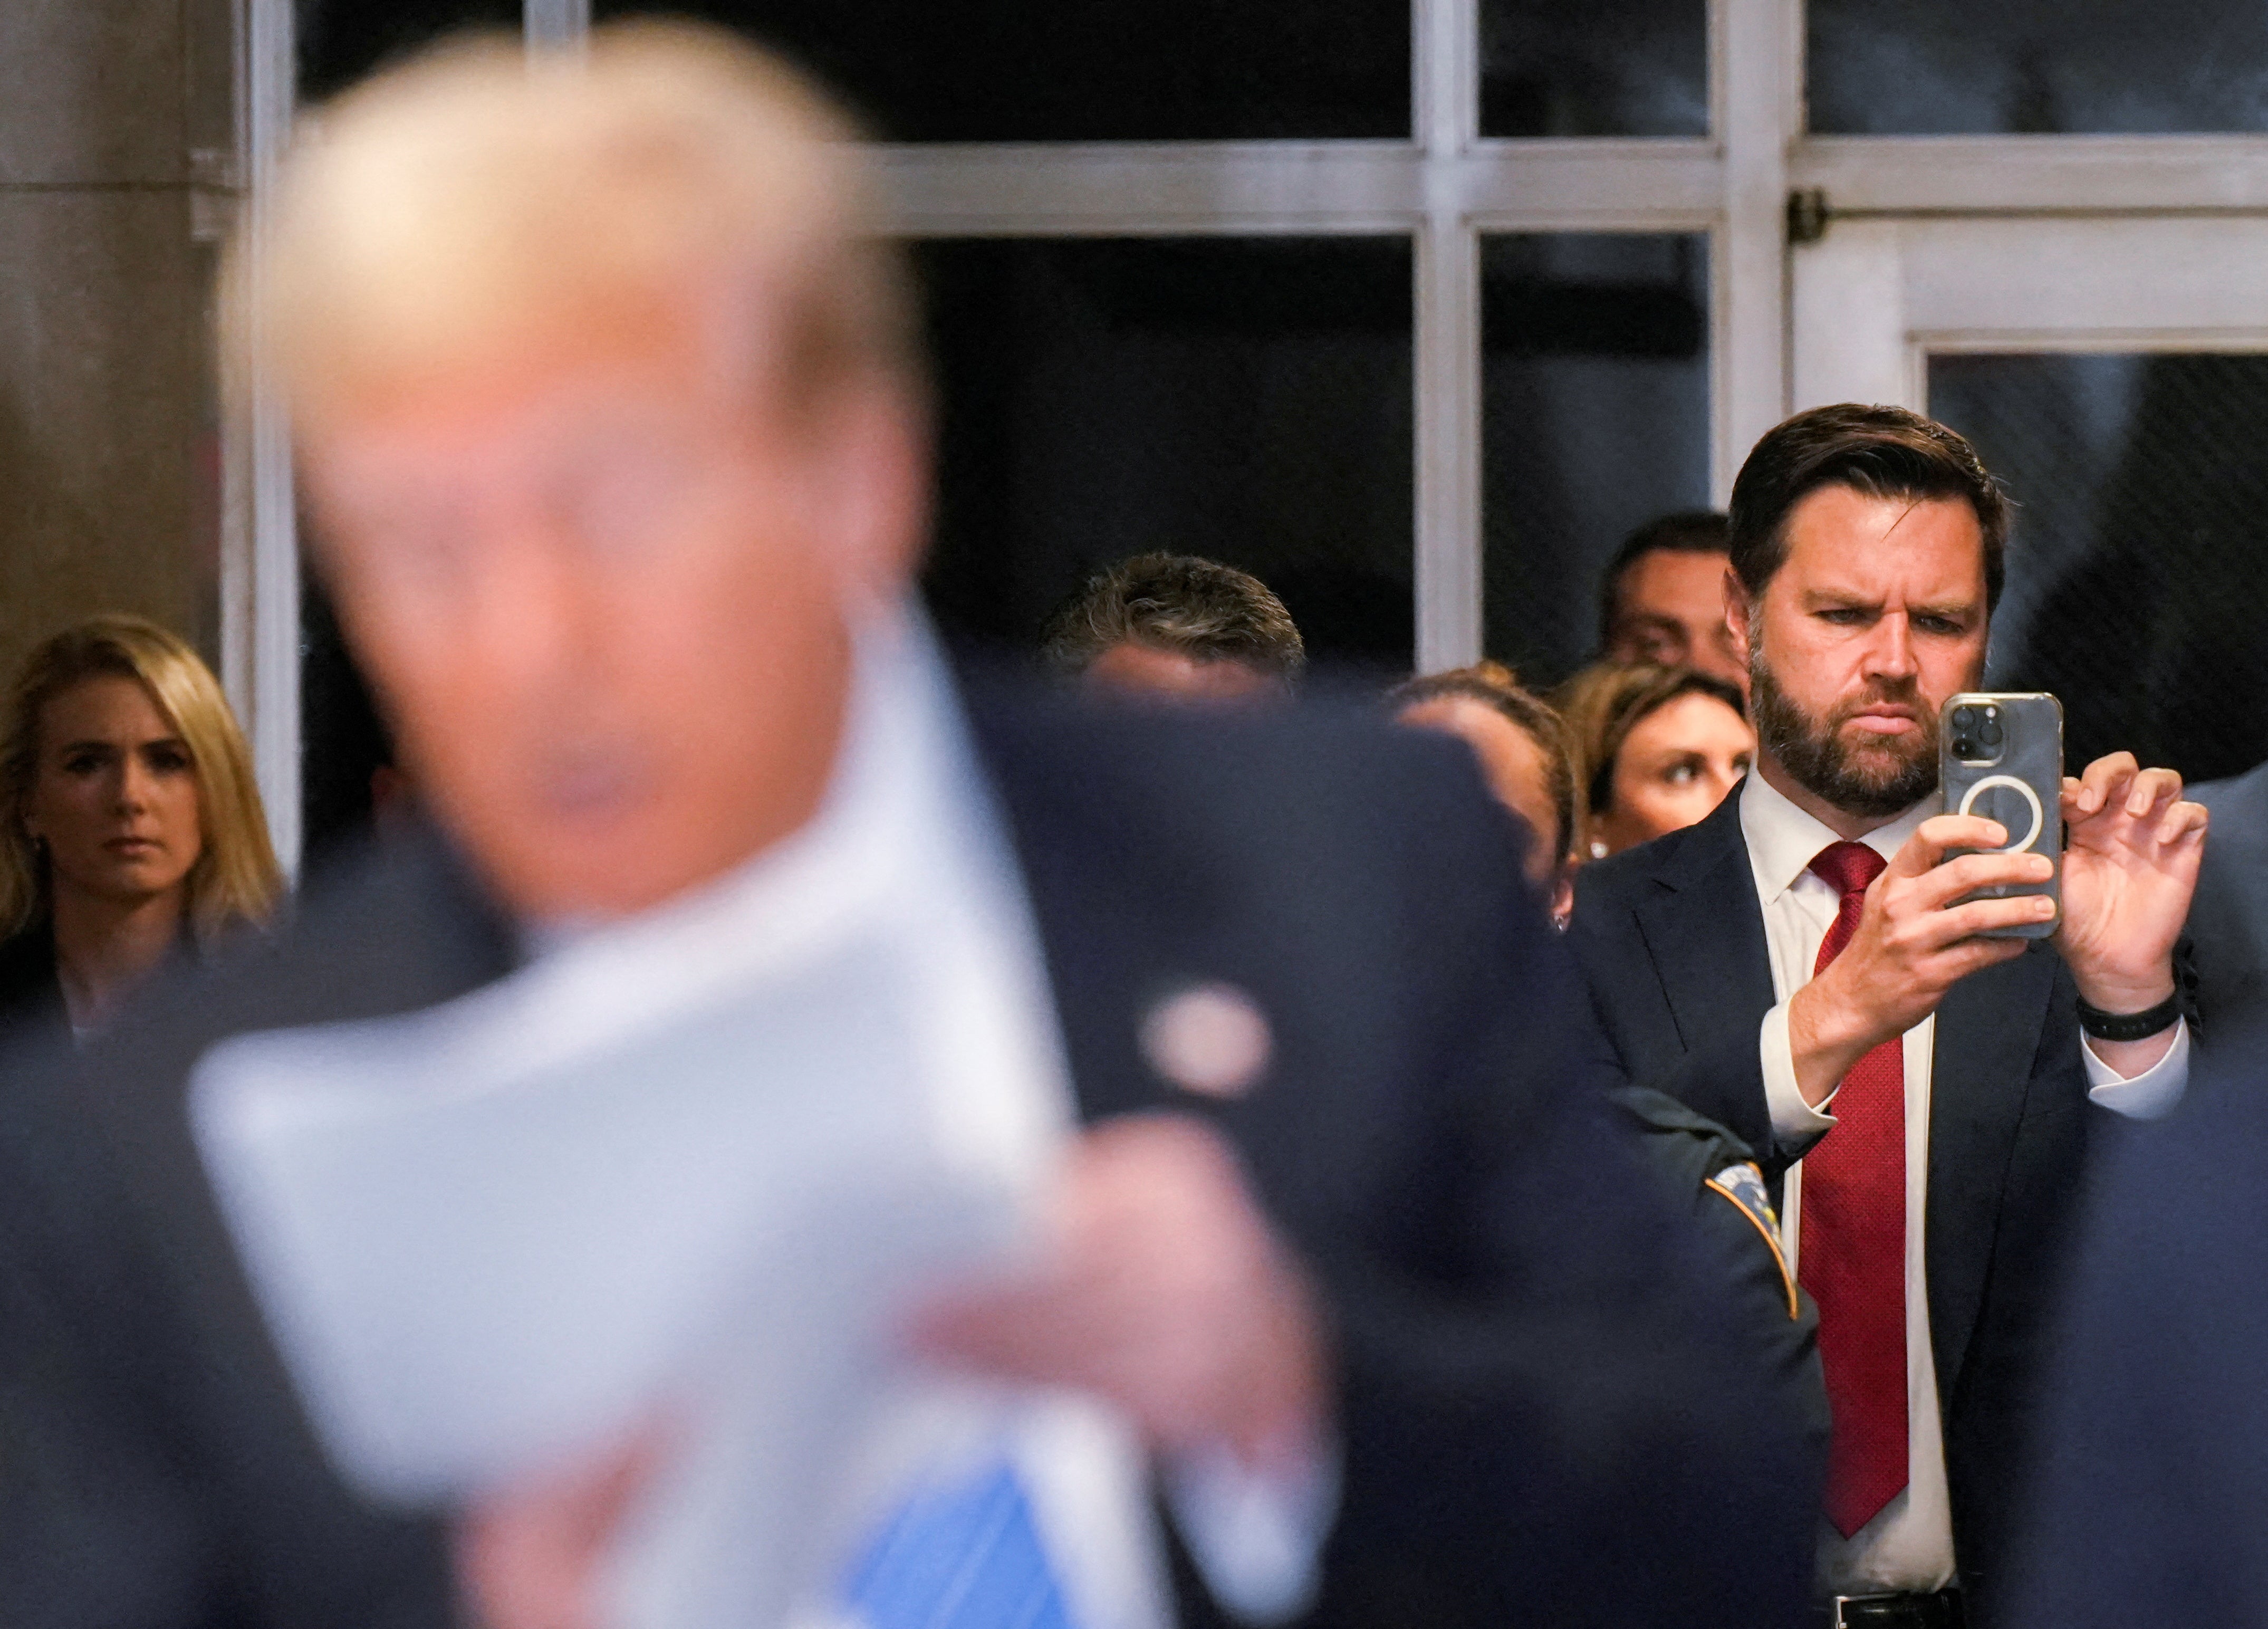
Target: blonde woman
pixel 1652 751
pixel 130 824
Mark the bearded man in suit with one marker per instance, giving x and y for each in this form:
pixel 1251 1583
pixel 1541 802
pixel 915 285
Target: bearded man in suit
pixel 610 417
pixel 1806 966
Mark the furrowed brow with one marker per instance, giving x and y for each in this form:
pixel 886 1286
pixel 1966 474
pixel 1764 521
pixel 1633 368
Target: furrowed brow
pixel 1952 610
pixel 1839 599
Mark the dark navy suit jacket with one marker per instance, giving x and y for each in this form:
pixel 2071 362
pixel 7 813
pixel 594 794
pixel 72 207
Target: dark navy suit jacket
pixel 2229 919
pixel 1670 937
pixel 2152 1499
pixel 1545 1415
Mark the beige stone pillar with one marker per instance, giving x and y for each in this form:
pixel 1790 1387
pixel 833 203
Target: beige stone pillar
pixel 116 161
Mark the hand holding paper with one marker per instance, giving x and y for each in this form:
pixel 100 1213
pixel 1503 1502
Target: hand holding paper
pixel 1167 1295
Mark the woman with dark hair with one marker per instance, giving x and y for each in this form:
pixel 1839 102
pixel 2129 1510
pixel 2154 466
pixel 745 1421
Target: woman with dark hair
pixel 1652 751
pixel 129 823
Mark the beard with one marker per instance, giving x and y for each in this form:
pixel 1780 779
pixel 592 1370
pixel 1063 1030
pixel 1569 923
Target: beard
pixel 1886 775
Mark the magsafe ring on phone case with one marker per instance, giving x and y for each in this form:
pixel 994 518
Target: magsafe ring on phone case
pixel 2031 801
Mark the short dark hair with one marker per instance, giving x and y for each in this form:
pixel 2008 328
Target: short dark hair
pixel 1688 532
pixel 1493 684
pixel 1201 608
pixel 1883 452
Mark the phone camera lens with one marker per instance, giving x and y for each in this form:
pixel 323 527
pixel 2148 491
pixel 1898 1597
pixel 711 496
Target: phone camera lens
pixel 1963 718
pixel 1990 734
pixel 1963 747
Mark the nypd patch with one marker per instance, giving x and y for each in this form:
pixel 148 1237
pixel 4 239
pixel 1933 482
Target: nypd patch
pixel 1744 1185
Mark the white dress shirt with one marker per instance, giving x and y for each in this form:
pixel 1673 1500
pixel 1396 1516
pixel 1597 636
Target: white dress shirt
pixel 1909 1544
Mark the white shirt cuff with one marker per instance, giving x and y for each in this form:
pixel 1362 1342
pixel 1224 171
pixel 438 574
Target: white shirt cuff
pixel 2148 1095
pixel 1257 1536
pixel 1795 1123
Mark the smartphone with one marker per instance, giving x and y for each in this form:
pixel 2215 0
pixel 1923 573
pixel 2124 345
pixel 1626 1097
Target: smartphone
pixel 2001 757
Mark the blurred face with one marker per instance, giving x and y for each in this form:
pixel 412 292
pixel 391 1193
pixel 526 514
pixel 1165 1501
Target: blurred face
pixel 1133 669
pixel 115 796
pixel 1512 765
pixel 1877 616
pixel 1674 768
pixel 1670 611
pixel 605 595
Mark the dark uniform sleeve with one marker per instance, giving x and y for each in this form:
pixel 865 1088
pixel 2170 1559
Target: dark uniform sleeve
pixel 1580 1393
pixel 1714 1178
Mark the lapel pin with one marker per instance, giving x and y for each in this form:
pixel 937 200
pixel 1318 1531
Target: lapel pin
pixel 1210 1039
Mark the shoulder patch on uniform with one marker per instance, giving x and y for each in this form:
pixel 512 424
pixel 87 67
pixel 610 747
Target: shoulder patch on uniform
pixel 1744 1185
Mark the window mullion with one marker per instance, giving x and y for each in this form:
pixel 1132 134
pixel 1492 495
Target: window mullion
pixel 554 23
pixel 1445 58
pixel 260 554
pixel 1756 75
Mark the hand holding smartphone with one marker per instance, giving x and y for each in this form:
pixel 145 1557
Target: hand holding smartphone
pixel 2001 757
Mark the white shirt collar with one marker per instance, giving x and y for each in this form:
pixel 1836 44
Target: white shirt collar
pixel 1783 840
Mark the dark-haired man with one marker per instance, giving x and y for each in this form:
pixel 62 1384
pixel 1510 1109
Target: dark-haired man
pixel 1177 627
pixel 1662 599
pixel 1802 967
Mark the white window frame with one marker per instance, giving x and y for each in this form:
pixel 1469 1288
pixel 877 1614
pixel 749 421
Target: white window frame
pixel 1879 297
pixel 1445 189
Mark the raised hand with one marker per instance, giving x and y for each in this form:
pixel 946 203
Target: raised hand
pixel 2131 845
pixel 1913 943
pixel 1169 1295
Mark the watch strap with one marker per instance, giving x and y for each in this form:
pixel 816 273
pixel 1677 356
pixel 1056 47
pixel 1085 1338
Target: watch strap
pixel 2131 1026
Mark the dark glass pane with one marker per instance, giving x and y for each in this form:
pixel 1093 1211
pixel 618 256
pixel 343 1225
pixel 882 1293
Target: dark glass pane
pixel 1596 403
pixel 342 41
pixel 1247 399
pixel 342 743
pixel 341 740
pixel 2138 567
pixel 1604 68
pixel 1094 70
pixel 1950 68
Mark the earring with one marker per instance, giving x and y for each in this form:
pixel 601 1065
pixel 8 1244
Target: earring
pixel 1598 849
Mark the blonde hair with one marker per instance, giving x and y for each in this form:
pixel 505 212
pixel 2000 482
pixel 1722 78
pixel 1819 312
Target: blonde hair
pixel 235 878
pixel 1600 706
pixel 473 207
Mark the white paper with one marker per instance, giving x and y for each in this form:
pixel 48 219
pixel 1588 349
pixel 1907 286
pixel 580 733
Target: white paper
pixel 484 1261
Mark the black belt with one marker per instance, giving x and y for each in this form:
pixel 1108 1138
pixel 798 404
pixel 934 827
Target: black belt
pixel 1938 1610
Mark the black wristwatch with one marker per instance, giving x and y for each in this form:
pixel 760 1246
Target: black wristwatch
pixel 2130 1026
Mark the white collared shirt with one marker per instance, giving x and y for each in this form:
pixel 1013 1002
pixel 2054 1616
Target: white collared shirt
pixel 1908 1546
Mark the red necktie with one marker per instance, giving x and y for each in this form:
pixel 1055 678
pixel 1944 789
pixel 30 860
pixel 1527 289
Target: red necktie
pixel 1853 1252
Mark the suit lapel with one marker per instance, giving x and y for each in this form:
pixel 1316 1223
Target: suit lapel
pixel 1107 957
pixel 1988 1032
pixel 1704 931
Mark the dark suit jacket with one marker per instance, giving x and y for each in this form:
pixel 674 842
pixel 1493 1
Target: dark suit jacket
pixel 2152 1496
pixel 1671 941
pixel 29 996
pixel 2229 919
pixel 1544 1416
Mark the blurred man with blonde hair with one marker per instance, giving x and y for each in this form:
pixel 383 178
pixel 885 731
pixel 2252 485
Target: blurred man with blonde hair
pixel 614 435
